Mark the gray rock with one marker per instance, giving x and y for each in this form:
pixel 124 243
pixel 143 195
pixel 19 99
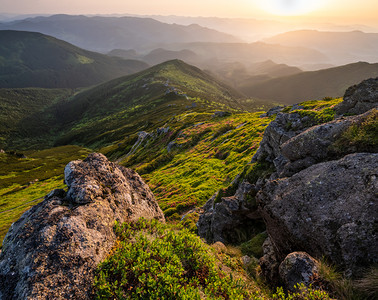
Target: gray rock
pixel 245 260
pixel 53 249
pixel 233 219
pixel 162 130
pixel 283 128
pixel 328 209
pixel 298 267
pixel 171 145
pixel 314 145
pixel 359 98
pixel 221 114
pixel 269 263
pixel 273 111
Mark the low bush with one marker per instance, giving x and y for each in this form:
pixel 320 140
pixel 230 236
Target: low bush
pixel 159 261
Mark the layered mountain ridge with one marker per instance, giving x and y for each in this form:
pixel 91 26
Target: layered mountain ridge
pixel 30 59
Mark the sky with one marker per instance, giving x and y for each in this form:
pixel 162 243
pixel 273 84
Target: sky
pixel 342 11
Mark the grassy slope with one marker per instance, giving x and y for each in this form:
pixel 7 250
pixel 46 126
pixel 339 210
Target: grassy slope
pixel 19 108
pixel 110 115
pixel 30 59
pixel 207 154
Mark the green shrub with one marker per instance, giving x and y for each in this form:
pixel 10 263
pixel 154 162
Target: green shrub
pixel 159 261
pixel 302 293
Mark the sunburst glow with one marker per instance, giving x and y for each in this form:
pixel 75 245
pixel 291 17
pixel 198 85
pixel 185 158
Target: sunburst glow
pixel 289 7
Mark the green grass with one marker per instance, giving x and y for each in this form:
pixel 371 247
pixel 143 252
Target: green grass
pixel 109 113
pixel 254 246
pixel 317 112
pixel 19 119
pixel 360 137
pixel 209 153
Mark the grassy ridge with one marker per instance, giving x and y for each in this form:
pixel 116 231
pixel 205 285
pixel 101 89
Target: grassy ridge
pixel 31 59
pixel 110 112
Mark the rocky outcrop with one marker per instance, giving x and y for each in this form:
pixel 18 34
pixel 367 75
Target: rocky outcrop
pixel 322 195
pixel 52 250
pixel 359 98
pixel 230 219
pixel 315 145
pixel 298 267
pixel 283 128
pixel 328 209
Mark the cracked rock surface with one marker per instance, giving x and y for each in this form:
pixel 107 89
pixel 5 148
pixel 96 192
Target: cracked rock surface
pixel 53 249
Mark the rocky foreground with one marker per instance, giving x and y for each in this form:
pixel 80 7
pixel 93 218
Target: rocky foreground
pixel 320 197
pixel 314 190
pixel 53 249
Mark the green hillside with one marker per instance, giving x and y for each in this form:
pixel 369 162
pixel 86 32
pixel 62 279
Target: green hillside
pixel 111 112
pixel 172 101
pixel 310 85
pixel 19 107
pixel 30 59
pixel 144 101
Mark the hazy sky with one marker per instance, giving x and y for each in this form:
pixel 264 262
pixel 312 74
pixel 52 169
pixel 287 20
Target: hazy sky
pixel 351 11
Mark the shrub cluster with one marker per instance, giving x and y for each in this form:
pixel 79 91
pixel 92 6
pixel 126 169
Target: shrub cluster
pixel 159 261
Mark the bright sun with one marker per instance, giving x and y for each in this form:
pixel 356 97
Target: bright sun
pixel 289 7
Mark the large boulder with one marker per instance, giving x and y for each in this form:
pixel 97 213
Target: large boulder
pixel 359 98
pixel 316 144
pixel 328 209
pixel 51 252
pixel 232 219
pixel 283 128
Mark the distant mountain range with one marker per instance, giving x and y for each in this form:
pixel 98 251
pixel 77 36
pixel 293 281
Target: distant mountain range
pixel 237 74
pixel 211 55
pixel 339 47
pixel 104 34
pixel 208 39
pixel 159 55
pixel 30 59
pixel 310 85
pixel 252 30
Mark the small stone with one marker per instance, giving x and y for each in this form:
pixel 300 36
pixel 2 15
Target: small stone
pixel 245 260
pixel 298 267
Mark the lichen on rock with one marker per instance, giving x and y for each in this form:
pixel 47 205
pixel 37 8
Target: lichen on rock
pixel 53 249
